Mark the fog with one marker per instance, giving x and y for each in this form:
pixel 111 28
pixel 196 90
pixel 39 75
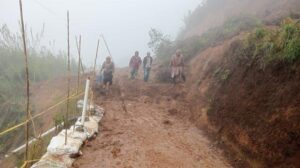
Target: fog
pixel 124 23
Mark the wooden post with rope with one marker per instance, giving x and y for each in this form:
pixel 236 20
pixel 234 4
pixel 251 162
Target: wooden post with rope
pixel 27 80
pixel 69 73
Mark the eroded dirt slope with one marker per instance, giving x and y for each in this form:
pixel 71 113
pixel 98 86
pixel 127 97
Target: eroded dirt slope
pixel 255 111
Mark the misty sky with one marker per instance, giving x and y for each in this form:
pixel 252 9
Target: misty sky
pixel 124 23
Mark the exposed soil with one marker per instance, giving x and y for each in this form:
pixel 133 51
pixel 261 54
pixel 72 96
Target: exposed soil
pixel 152 133
pixel 254 111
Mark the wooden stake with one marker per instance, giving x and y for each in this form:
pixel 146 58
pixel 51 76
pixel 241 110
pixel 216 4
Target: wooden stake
pixel 79 52
pixel 96 59
pixel 69 73
pixel 27 80
pixel 79 60
pixel 106 45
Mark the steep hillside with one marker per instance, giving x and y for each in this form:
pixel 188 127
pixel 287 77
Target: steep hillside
pixel 243 74
pixel 215 13
pixel 254 108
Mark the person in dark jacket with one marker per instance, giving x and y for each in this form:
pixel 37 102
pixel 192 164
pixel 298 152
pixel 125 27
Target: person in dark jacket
pixel 147 64
pixel 108 68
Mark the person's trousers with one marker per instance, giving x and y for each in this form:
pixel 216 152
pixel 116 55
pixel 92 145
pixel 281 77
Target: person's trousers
pixel 134 72
pixel 146 74
pixel 177 71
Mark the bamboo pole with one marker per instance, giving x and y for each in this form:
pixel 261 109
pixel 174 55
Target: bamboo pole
pixel 27 80
pixel 79 49
pixel 95 62
pixel 106 45
pixel 68 100
pixel 79 60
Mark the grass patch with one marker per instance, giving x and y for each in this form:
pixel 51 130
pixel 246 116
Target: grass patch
pixel 271 45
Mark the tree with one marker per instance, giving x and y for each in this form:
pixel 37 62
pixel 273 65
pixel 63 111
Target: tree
pixel 157 38
pixel 159 43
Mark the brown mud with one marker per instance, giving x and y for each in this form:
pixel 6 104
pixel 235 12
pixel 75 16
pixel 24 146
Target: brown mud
pixel 151 132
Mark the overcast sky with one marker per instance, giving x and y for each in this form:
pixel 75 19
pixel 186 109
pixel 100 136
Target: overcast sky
pixel 124 23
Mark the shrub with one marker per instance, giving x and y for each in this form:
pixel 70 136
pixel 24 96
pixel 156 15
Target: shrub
pixel 270 45
pixel 292 50
pixel 289 31
pixel 260 33
pixel 291 40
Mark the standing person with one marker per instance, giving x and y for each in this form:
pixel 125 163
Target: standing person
pixel 108 68
pixel 177 66
pixel 147 63
pixel 134 64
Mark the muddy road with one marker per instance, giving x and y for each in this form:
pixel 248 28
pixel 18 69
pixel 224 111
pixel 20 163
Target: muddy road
pixel 142 128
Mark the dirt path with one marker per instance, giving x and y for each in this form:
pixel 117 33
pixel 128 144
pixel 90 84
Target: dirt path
pixel 149 134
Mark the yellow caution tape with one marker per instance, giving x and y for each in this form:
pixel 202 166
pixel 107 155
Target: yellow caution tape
pixel 37 115
pixel 28 161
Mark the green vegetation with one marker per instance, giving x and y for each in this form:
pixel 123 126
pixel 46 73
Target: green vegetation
pixel 164 48
pixel 160 44
pixel 275 44
pixel 59 116
pixel 222 74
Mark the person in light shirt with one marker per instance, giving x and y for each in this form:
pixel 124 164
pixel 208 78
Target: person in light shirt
pixel 177 66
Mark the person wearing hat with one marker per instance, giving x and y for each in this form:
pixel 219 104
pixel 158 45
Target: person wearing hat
pixel 177 66
pixel 147 63
pixel 108 68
